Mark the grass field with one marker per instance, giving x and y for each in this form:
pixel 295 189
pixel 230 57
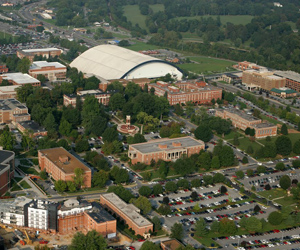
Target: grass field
pixel 245 143
pixel 294 137
pixel 244 19
pixel 5 35
pixel 141 46
pixel 28 170
pixel 14 186
pixel 157 7
pixel 24 185
pixel 275 193
pixel 206 65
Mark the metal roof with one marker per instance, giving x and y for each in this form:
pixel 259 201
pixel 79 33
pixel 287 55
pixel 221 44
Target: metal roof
pixel 111 61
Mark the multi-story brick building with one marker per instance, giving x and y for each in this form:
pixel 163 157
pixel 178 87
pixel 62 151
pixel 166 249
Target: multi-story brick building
pixel 242 121
pixel 78 216
pixel 164 149
pixel 102 97
pixel 53 71
pixel 60 165
pixel 247 65
pixel 11 110
pixel 45 52
pixel 183 92
pixel 20 79
pixel 32 128
pixel 265 80
pixel 127 212
pixel 292 79
pixel 7 170
pixel 139 81
pixel 8 92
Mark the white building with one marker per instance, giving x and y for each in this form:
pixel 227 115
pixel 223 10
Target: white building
pixel 72 207
pixel 38 215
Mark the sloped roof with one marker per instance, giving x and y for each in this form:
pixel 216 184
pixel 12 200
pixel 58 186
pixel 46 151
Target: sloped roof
pixel 110 61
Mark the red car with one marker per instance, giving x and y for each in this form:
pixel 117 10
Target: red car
pixel 141 240
pixel 43 242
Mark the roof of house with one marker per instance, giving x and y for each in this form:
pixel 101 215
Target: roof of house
pixel 153 146
pixel 42 64
pixel 283 90
pixel 54 154
pixel 19 78
pixel 32 126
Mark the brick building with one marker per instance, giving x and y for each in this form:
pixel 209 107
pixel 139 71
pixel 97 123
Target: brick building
pixel 247 65
pixel 20 79
pixel 139 81
pixel 11 110
pixel 242 121
pixel 53 71
pixel 8 92
pixel 102 97
pixel 292 79
pixel 7 170
pixel 78 216
pixel 60 165
pixel 129 213
pixel 32 128
pixel 183 92
pixel 265 80
pixel 164 149
pixel 45 52
pixel 3 68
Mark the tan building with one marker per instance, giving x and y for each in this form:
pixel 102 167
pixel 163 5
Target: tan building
pixel 61 165
pixel 129 213
pixel 45 52
pixel 183 92
pixel 7 92
pixel 20 79
pixel 102 97
pixel 75 216
pixel 53 71
pixel 11 110
pixel 265 80
pixel 164 149
pixel 242 121
pixel 32 128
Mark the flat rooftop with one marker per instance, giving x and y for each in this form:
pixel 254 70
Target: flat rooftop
pixel 40 50
pixel 11 88
pixel 20 78
pixel 98 213
pixel 5 154
pixel 11 104
pixel 193 89
pixel 128 209
pixel 264 125
pixel 241 114
pixel 42 64
pixel 153 146
pixel 53 154
pixel 32 125
pixel 7 204
pixel 289 75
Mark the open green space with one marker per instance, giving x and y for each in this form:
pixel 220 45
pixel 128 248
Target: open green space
pixel 24 185
pixel 245 143
pixel 206 65
pixel 157 7
pixel 5 35
pixel 142 46
pixel 273 193
pixel 294 137
pixel 286 201
pixel 18 179
pixel 14 186
pixel 231 135
pixel 28 170
pixel 156 175
pixel 208 242
pixel 270 120
pixel 238 19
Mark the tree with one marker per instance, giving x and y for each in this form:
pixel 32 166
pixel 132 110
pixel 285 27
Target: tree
pixel 119 175
pixel 7 140
pixel 92 240
pixel 285 182
pixel 50 124
pixel 143 204
pixel 183 183
pixel 43 175
pixel 250 172
pixel 100 178
pixel 253 224
pixel 122 192
pixel 60 186
pixel 149 245
pixel 82 145
pixel 177 231
pixel 166 200
pixel 194 195
pixel 245 160
pixel 170 186
pixel 204 161
pixel 256 209
pixel 280 166
pixel 117 101
pixel 71 186
pixel 208 180
pixel 200 228
pixel 283 145
pixel 236 141
pixel 218 178
pixel 227 226
pixel 196 183
pixel 240 174
pixel 247 131
pixel 23 65
pixel 215 162
pixel 250 150
pixel 296 147
pixel 203 132
pixel 284 129
pixel 157 189
pixel 223 190
pixel 164 209
pixel 145 191
pixel 156 223
pixel 79 177
pixel 110 135
pixel 215 226
pixel 275 218
pixel 261 169
pixel 270 150
pixel 226 156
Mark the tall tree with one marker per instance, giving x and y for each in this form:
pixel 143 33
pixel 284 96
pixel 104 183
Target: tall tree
pixel 177 231
pixel 91 241
pixel 283 145
pixel 203 132
pixel 284 129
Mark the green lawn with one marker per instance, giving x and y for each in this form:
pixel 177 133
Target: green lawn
pixel 242 19
pixel 270 120
pixel 28 170
pixel 14 186
pixel 5 35
pixel 133 14
pixel 18 179
pixel 286 201
pixel 294 137
pixel 142 46
pixel 230 135
pixel 24 185
pixel 206 65
pixel 245 143
pixel 157 7
pixel 275 193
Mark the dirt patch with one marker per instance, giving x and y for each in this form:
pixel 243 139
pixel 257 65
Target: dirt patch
pixel 293 131
pixel 123 239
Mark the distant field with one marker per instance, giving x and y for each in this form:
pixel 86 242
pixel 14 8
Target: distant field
pixel 133 14
pixel 142 46
pixel 5 35
pixel 206 64
pixel 243 19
